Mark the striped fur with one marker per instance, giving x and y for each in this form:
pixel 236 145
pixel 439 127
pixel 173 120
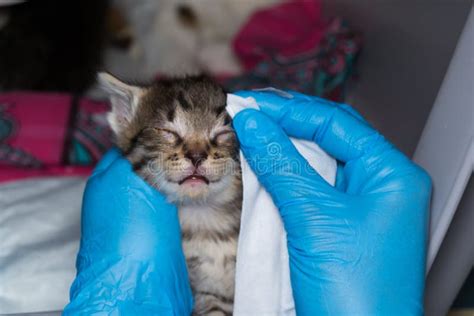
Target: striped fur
pixel 160 128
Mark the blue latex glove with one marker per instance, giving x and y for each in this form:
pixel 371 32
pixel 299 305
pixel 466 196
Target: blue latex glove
pixel 359 248
pixel 130 261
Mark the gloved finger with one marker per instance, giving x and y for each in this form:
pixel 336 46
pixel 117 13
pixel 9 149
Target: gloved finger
pixel 354 112
pixel 120 173
pixel 280 168
pixel 112 155
pixel 338 132
pixel 268 95
pixel 346 107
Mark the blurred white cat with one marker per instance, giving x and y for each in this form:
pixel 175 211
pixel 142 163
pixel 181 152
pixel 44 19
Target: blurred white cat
pixel 174 37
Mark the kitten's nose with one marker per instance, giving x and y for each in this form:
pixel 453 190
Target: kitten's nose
pixel 196 156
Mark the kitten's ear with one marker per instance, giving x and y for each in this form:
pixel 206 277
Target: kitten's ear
pixel 124 99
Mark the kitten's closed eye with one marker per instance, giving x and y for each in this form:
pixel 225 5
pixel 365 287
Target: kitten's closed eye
pixel 224 138
pixel 168 135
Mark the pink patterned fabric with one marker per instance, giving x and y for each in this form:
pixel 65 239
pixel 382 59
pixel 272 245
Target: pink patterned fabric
pixel 33 131
pixel 33 128
pixel 290 28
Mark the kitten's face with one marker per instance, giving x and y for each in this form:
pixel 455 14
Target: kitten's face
pixel 193 152
pixel 180 139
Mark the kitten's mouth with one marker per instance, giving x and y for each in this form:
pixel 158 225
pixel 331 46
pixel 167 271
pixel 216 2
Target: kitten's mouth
pixel 194 179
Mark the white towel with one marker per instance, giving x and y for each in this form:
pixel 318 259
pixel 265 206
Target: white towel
pixel 39 239
pixel 262 273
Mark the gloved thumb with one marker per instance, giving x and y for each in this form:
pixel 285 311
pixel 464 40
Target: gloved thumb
pixel 279 167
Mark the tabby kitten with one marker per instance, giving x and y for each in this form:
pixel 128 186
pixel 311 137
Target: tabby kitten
pixel 178 137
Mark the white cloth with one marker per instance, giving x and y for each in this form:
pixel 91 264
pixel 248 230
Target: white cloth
pixel 262 273
pixel 39 240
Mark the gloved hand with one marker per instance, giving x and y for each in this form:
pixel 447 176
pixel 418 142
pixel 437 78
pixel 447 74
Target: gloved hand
pixel 130 260
pixel 357 248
